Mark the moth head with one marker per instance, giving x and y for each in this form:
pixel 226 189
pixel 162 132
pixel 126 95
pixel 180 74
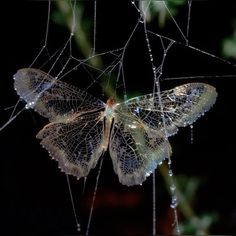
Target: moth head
pixel 111 102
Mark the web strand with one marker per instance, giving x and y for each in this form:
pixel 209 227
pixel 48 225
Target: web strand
pixel 157 86
pixel 188 21
pixel 173 19
pixel 46 34
pixel 154 221
pixel 94 27
pixel 73 204
pixel 94 196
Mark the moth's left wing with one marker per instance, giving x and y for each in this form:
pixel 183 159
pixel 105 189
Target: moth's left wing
pixel 173 108
pixel 135 149
pixel 76 144
pixel 51 97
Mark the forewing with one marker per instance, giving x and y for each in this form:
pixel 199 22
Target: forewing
pixel 51 97
pixel 174 108
pixel 136 150
pixel 75 144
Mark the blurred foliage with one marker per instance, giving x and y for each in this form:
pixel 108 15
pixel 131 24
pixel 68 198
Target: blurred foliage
pixel 63 16
pixel 195 225
pixel 159 10
pixel 228 49
pixel 229 46
pixel 186 191
pixel 199 225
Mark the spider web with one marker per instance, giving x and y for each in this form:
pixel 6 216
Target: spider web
pixel 152 49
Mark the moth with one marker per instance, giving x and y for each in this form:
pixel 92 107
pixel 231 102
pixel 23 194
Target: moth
pixel 135 131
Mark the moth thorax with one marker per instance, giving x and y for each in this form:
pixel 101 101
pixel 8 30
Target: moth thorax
pixel 111 102
pixel 110 108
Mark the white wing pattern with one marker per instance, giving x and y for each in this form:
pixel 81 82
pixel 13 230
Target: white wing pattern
pixel 77 135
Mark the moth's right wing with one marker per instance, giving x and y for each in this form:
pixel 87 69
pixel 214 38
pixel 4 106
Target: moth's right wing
pixel 177 107
pixel 51 97
pixel 135 149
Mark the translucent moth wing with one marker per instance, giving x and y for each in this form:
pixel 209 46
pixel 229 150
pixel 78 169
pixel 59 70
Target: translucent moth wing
pixel 75 144
pixel 75 135
pixel 136 149
pixel 178 107
pixel 51 97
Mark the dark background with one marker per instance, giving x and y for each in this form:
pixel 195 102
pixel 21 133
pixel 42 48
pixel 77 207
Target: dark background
pixel 35 197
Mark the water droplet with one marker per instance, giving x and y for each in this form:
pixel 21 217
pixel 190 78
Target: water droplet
pixel 78 228
pixel 148 174
pixel 174 202
pixel 170 173
pixel 173 206
pixel 137 110
pixel 191 134
pixel 172 187
pixel 29 105
pixel 177 231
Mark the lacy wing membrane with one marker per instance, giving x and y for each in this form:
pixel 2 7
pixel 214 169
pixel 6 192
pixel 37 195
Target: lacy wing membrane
pixel 51 97
pixel 181 106
pixel 135 149
pixel 75 144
